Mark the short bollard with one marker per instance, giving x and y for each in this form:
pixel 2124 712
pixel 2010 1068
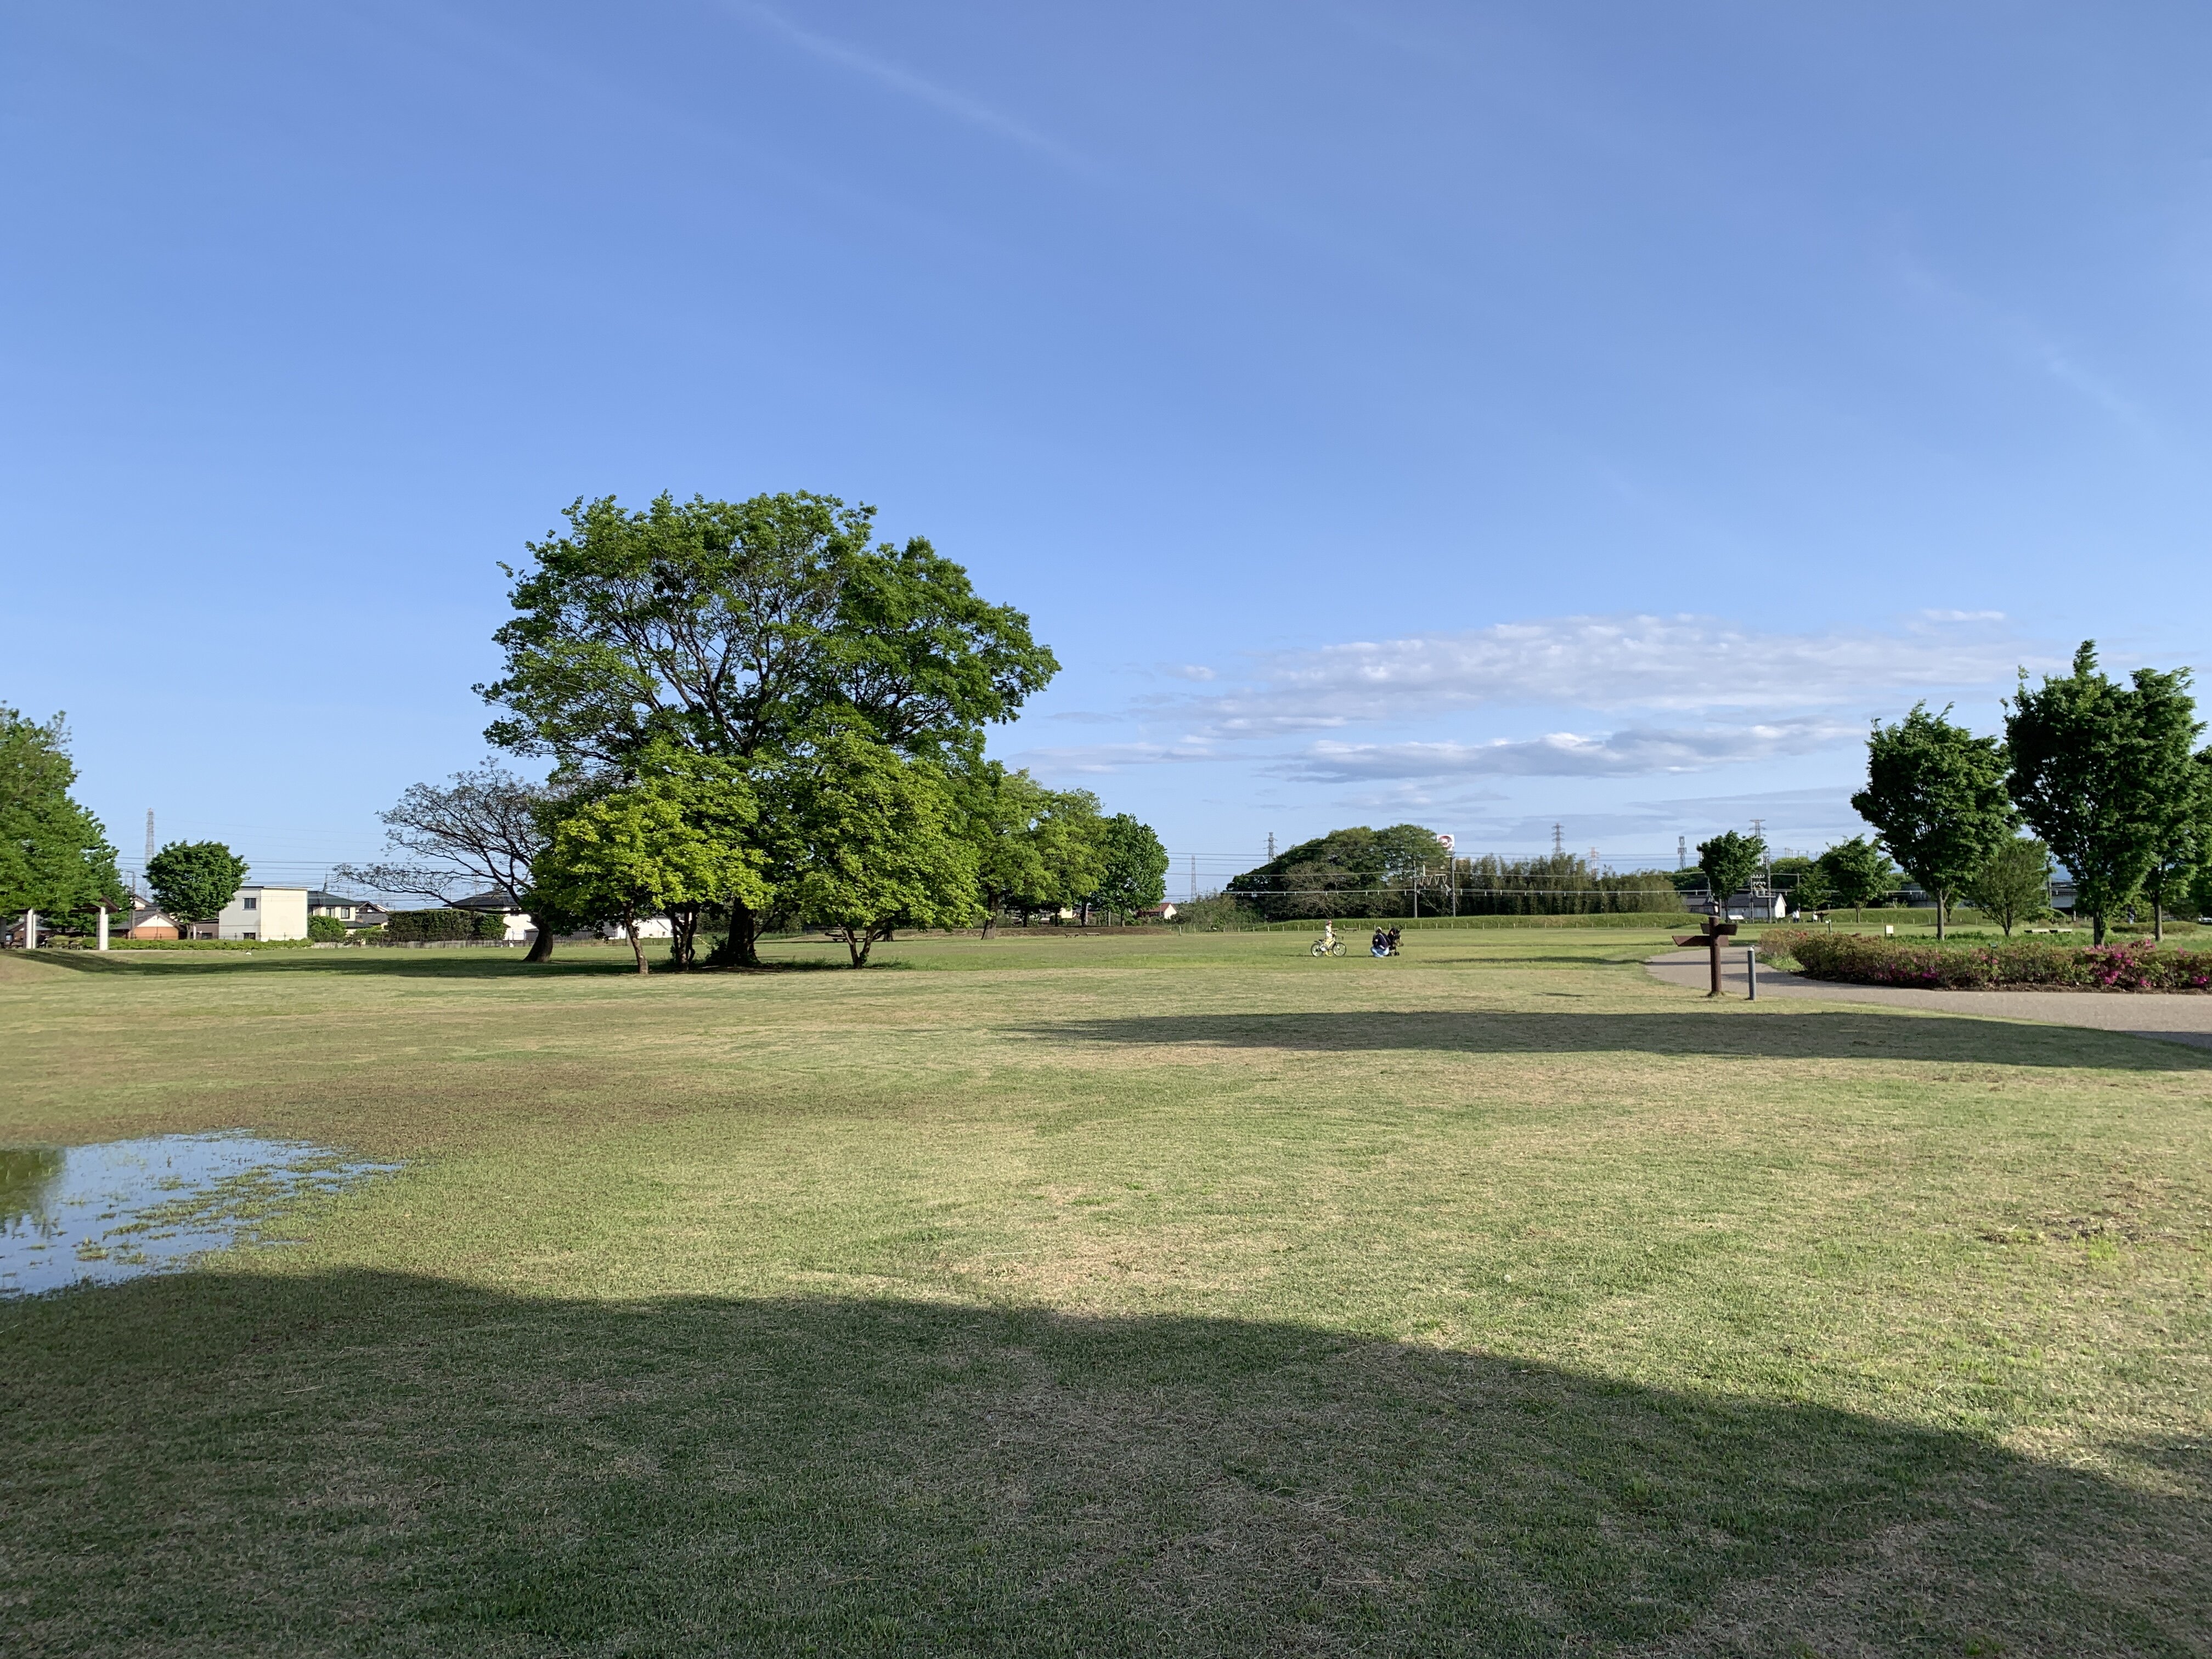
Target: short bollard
pixel 1751 970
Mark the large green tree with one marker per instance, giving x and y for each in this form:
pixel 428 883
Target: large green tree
pixel 193 880
pixel 734 628
pixel 1358 871
pixel 670 844
pixel 54 856
pixel 1936 793
pixel 867 840
pixel 2101 771
pixel 1134 867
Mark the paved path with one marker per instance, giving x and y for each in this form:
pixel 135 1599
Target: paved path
pixel 2182 1018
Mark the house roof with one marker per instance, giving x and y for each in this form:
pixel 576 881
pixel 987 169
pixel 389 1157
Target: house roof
pixel 492 898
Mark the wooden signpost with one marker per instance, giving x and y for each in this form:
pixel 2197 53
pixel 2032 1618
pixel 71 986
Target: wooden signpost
pixel 1717 928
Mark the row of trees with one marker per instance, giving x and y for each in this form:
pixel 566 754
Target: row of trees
pixel 2106 774
pixel 755 714
pixel 1359 872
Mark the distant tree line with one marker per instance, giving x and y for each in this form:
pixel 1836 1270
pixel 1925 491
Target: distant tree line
pixel 1403 870
pixel 756 716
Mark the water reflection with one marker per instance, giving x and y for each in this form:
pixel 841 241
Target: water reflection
pixel 75 1215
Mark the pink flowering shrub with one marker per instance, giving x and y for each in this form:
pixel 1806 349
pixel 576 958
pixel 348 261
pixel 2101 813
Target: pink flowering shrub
pixel 1863 959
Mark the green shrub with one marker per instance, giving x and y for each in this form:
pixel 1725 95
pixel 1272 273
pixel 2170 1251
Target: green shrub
pixel 1869 959
pixel 326 930
pixel 429 927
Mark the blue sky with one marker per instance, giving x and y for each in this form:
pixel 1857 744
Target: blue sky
pixel 1489 415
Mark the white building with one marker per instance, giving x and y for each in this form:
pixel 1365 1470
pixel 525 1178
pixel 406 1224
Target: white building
pixel 264 913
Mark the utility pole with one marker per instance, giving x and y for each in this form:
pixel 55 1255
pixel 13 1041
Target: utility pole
pixel 148 867
pixel 1558 841
pixel 1681 852
pixel 1271 846
pixel 1194 878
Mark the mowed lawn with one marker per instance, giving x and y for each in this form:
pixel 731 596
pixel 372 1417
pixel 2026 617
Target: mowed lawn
pixel 1103 1296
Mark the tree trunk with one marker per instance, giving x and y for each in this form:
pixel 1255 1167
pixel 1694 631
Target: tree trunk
pixel 2096 926
pixel 2158 919
pixel 1939 916
pixel 857 942
pixel 541 945
pixel 636 945
pixel 990 923
pixel 739 947
pixel 684 934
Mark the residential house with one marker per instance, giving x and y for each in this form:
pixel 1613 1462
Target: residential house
pixel 520 930
pixel 355 913
pixel 151 921
pixel 262 912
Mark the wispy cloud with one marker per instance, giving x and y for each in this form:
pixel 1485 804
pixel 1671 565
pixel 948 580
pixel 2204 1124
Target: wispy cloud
pixel 1098 758
pixel 1674 663
pixel 1633 751
pixel 898 78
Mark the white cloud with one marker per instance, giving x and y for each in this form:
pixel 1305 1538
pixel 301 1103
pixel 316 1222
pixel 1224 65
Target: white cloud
pixel 1674 663
pixel 1632 751
pixel 1102 757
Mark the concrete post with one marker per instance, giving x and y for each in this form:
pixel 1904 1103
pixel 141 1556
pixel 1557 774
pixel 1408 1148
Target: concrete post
pixel 1714 941
pixel 1751 968
pixel 103 927
pixel 30 930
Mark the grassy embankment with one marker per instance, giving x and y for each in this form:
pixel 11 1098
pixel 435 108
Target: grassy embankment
pixel 1138 1294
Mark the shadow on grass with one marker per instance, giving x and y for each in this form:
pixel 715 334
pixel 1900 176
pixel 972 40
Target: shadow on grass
pixel 1692 1031
pixel 386 1463
pixel 418 964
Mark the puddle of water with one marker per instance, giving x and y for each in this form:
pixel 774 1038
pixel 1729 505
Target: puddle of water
pixel 77 1215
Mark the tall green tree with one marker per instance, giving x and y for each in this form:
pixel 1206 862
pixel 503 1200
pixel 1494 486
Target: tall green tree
pixel 1134 867
pixel 1936 793
pixel 54 855
pixel 2013 885
pixel 867 840
pixel 193 880
pixel 1730 861
pixel 1857 874
pixel 2099 771
pixel 734 628
pixel 670 844
pixel 2180 795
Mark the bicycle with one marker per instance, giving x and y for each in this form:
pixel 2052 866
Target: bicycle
pixel 1327 945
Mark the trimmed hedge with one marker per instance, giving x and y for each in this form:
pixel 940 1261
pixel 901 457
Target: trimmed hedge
pixel 186 944
pixel 1868 959
pixel 426 926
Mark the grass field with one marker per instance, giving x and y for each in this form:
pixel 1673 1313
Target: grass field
pixel 1134 1295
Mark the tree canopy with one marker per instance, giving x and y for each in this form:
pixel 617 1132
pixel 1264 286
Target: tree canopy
pixel 667 845
pixel 866 840
pixel 729 628
pixel 1358 871
pixel 2013 885
pixel 1856 873
pixel 54 855
pixel 1936 793
pixel 193 880
pixel 1133 867
pixel 2096 765
pixel 1730 861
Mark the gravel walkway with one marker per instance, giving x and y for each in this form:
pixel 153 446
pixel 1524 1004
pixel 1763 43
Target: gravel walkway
pixel 2141 1014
